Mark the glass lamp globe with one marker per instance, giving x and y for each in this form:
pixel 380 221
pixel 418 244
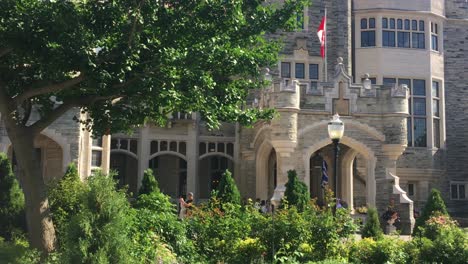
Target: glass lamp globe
pixel 335 128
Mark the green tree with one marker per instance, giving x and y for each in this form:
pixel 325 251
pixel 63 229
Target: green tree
pixel 156 217
pixel 434 204
pixel 124 63
pixel 372 227
pixel 100 231
pixel 64 197
pixel 149 183
pixel 227 189
pixel 296 193
pixel 11 200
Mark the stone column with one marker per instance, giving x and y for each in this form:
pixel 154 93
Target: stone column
pixel 106 140
pixel 284 163
pixel 143 153
pixel 347 177
pixel 192 157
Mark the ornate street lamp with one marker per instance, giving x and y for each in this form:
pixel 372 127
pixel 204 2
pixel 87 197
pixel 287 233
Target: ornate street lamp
pixel 335 132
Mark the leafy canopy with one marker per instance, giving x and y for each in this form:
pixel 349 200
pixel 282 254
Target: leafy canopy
pixel 127 62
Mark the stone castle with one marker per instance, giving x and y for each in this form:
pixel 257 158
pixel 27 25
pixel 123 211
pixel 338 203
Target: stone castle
pixel 397 74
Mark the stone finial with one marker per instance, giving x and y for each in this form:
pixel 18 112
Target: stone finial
pixel 339 60
pixel 366 76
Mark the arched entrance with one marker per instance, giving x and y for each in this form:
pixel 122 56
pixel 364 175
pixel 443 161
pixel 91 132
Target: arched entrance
pixel 211 169
pixel 170 170
pixel 126 165
pixel 349 174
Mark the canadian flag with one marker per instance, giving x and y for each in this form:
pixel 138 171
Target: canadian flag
pixel 322 34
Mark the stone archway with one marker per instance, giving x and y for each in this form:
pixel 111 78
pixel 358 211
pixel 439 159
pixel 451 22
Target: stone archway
pixel 265 164
pixel 346 166
pixel 170 170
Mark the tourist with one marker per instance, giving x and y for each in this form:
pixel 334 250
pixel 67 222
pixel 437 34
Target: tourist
pixel 186 206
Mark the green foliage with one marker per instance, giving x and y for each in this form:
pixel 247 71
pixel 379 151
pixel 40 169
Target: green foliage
pixel 384 250
pixel 12 218
pixel 18 251
pixel 297 193
pixel 157 229
pixel 372 227
pixel 227 189
pixel 99 231
pixel 434 204
pixel 442 241
pixel 149 183
pixel 64 199
pixel 217 233
pixel 158 57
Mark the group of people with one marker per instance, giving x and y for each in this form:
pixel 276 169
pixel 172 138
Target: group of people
pixel 263 206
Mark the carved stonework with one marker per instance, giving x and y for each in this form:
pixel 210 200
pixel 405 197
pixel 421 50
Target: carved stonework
pixel 341 105
pixel 399 90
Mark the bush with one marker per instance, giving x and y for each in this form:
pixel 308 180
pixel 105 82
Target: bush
pixel 12 215
pixel 385 250
pixel 217 231
pixel 297 193
pixel 372 227
pixel 99 231
pixel 157 228
pixel 227 190
pixel 442 241
pixel 149 183
pixel 434 204
pixel 64 198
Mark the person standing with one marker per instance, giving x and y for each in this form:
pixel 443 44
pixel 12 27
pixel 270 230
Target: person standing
pixel 186 206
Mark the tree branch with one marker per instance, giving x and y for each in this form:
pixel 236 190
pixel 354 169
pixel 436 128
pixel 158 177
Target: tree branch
pixel 5 51
pixel 48 89
pixel 47 120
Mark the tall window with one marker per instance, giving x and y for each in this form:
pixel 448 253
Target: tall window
pixel 368 32
pixel 285 70
pixel 96 152
pixel 300 70
pixel 434 37
pixel 416 123
pixel 388 32
pixel 417 35
pixel 313 75
pixel 436 113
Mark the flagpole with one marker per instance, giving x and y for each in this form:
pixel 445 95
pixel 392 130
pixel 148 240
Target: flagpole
pixel 325 48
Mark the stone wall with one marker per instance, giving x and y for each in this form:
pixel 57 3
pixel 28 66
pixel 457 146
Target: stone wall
pixel 456 98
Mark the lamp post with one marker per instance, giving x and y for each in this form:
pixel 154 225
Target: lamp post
pixel 335 132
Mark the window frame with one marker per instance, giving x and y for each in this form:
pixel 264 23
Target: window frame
pixel 407 33
pixel 458 184
pixel 436 98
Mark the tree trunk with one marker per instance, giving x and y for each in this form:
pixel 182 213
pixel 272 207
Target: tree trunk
pixel 40 227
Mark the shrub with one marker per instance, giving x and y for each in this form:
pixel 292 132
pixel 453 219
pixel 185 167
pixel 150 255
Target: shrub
pixel 297 193
pixel 157 227
pixel 18 251
pixel 149 183
pixel 385 250
pixel 442 241
pixel 434 204
pixel 217 233
pixel 12 218
pixel 372 227
pixel 64 198
pixel 99 231
pixel 227 190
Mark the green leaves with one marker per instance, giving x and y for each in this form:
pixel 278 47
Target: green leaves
pixel 182 56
